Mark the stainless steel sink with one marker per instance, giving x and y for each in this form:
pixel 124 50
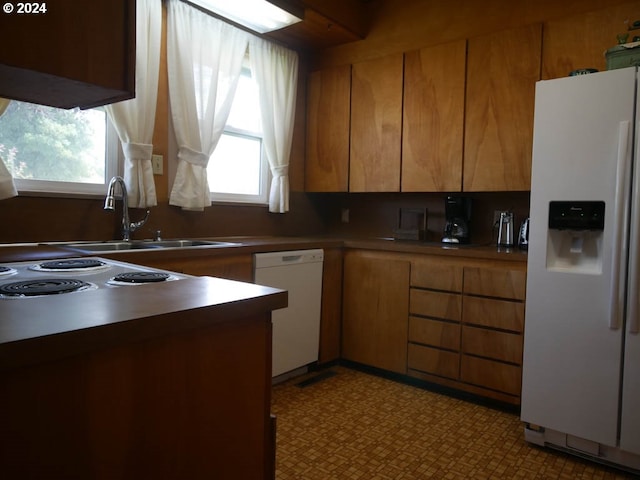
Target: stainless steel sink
pixel 115 245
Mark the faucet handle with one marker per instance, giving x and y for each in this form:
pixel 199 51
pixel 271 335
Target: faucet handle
pixel 133 226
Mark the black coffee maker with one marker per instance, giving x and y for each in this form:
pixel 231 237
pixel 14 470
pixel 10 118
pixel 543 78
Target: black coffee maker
pixel 457 212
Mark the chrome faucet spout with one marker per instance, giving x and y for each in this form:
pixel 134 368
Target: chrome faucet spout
pixel 109 203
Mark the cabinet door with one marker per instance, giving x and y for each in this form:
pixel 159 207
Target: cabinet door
pixel 376 123
pixel 375 311
pixel 433 118
pixel 502 69
pixel 328 109
pixel 579 41
pixel 77 53
pixel 330 322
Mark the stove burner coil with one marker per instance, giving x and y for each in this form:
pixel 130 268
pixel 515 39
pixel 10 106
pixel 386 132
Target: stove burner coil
pixel 6 270
pixel 73 263
pixel 45 286
pixel 141 277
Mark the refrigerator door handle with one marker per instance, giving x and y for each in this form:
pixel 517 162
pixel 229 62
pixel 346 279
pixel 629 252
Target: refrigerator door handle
pixel 616 271
pixel 634 257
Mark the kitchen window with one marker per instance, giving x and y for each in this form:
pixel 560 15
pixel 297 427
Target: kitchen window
pixel 238 171
pixel 51 150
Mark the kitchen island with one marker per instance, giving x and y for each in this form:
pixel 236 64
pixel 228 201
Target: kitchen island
pixel 156 381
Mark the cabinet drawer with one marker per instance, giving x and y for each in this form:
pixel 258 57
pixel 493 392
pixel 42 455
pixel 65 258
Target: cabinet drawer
pixel 436 275
pixel 435 304
pixel 495 282
pixel 432 360
pixel 489 312
pixel 434 332
pixel 491 374
pixel 489 343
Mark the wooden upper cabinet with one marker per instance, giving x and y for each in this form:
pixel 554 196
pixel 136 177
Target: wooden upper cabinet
pixel 328 110
pixel 76 54
pixel 502 69
pixel 433 118
pixel 376 124
pixel 580 41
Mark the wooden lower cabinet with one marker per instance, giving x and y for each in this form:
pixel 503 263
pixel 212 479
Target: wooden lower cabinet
pixel 331 314
pixel 376 309
pixel 192 405
pixel 465 325
pixel 453 321
pixel 434 360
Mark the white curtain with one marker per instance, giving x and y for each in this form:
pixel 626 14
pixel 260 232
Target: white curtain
pixel 134 119
pixel 7 187
pixel 204 59
pixel 276 72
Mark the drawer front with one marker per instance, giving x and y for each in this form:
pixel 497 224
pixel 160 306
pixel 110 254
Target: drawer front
pixel 489 312
pixel 491 344
pixel 491 374
pixel 434 332
pixel 494 282
pixel 436 275
pixel 432 360
pixel 435 304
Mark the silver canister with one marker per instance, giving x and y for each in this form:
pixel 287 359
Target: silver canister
pixel 505 230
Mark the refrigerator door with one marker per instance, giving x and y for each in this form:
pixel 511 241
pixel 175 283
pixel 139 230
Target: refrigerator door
pixel 630 417
pixel 583 130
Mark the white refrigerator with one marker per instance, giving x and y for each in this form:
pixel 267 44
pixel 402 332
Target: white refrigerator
pixel 581 364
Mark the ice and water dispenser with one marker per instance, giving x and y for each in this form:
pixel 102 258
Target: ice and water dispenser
pixel 574 240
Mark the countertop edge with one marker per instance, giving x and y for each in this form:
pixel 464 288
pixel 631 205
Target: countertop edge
pixel 171 308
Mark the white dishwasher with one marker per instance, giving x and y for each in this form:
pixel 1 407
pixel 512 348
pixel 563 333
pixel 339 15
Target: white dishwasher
pixel 296 329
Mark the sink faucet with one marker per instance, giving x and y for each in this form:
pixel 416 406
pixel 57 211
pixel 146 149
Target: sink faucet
pixel 109 202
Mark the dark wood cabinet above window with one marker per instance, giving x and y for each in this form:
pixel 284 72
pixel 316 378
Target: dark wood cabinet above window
pixel 72 53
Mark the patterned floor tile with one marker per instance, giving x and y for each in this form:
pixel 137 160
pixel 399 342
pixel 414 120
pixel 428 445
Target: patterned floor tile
pixel 356 426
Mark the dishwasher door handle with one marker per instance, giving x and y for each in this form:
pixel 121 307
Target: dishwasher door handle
pixel 291 258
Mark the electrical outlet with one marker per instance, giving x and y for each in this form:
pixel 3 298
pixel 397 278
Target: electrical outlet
pixel 345 215
pixel 156 163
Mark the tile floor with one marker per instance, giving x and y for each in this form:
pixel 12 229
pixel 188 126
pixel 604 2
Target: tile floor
pixel 356 426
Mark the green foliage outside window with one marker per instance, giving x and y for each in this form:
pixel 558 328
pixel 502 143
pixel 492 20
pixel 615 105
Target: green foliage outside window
pixel 45 143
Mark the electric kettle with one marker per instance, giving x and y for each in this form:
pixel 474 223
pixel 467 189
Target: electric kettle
pixel 505 229
pixel 523 238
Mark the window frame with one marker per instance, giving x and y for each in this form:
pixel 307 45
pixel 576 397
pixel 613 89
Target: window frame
pixel 265 176
pixel 262 198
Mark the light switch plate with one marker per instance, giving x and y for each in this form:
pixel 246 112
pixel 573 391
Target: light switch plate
pixel 156 162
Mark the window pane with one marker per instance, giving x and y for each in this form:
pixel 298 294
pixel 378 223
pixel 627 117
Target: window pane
pixel 45 143
pixel 245 112
pixel 234 166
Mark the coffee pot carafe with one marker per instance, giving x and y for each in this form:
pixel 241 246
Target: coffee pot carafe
pixel 457 211
pixel 505 229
